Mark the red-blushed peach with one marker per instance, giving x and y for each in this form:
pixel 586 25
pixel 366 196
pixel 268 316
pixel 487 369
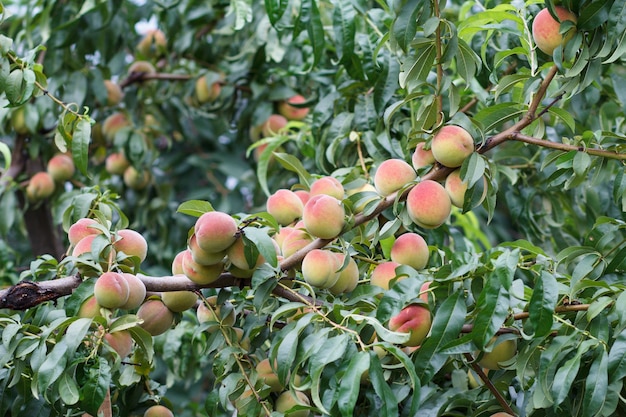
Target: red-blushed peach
pixel 179 301
pixel 158 411
pixel 200 274
pixel 328 186
pixel 324 216
pixel 281 234
pixel 236 255
pixel 268 376
pixel 114 93
pixel 422 158
pixel 214 313
pixel 285 206
pixel 320 268
pixel 137 291
pixel 348 277
pixel 113 124
pixel 295 241
pixel 89 308
pixel 286 109
pixel 121 342
pixel 203 257
pixel 428 204
pixel 410 249
pixel 81 228
pixel 457 188
pixel 451 145
pixel 273 125
pixel 135 179
pixel 206 93
pixel 156 317
pixel 414 319
pixel 501 414
pixel 215 231
pixel 547 31
pixel 288 399
pixel 85 246
pixel 383 274
pixel 501 351
pixel 61 167
pixel 111 290
pixel 424 290
pixel 131 242
pixel 116 163
pixel 40 186
pixel 392 175
pixel 303 195
pixel 177 263
pixel 152 43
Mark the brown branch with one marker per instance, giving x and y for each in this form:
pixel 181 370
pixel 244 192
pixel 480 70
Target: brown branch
pixel 565 147
pixel 138 77
pixel 489 384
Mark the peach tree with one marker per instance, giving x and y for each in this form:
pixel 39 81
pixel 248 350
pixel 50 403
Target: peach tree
pixel 313 207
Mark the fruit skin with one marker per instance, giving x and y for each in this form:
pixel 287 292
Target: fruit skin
pixel 137 291
pixel 392 175
pixel 206 93
pixel 203 257
pixel 121 342
pixel 328 186
pixel 214 314
pixel 457 188
pixel 414 319
pixel 291 112
pixel 40 186
pixel 546 30
pixel 200 274
pixel 81 228
pixel 179 301
pixel 135 179
pixel 295 241
pixel 319 268
pixel 501 352
pixel 410 249
pixel 236 255
pixel 113 124
pixel 383 274
pixel 348 277
pixel 132 243
pixel 61 167
pixel 501 414
pixel 451 145
pixel 287 400
pixel 422 158
pixel 18 120
pixel 89 308
pixel 158 411
pixel 114 92
pixel 153 43
pixel 141 67
pixel 285 206
pixel 267 374
pixel 157 318
pixel 111 290
pixel 324 216
pixel 273 125
pixel 428 204
pixel 215 231
pixel 116 163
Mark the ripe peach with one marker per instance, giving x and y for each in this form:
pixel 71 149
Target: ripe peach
pixel 383 274
pixel 215 231
pixel 457 188
pixel 177 263
pixel 236 255
pixel 137 291
pixel 200 274
pixel 111 290
pixel 157 318
pixel 295 241
pixel 206 314
pixel 158 411
pixel 286 109
pixel 113 124
pixel 206 93
pixel 303 195
pixel 424 291
pixel 152 44
pixel 421 157
pixel 319 268
pixel 410 249
pixel 89 308
pixel 40 186
pixel 288 399
pixel 428 204
pixel 136 180
pixel 451 145
pixel 81 228
pixel 392 175
pixel 132 243
pixel 114 92
pixel 203 257
pixel 179 301
pixel 546 30
pixel 121 342
pixel 273 125
pixel 324 216
pixel 84 246
pixel 61 167
pixel 267 375
pixel 348 277
pixel 285 206
pixel 501 414
pixel 328 186
pixel 116 163
pixel 501 352
pixel 414 319
pixel 141 67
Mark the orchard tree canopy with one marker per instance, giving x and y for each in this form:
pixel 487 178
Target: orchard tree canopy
pixel 313 208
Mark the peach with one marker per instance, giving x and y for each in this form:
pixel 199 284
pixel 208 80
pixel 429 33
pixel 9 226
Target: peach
pixel 177 263
pixel 547 31
pixel 141 67
pixel 362 201
pixel 137 291
pixel 152 44
pixel 457 188
pixel 136 180
pixel 383 274
pixel 303 195
pixel 236 255
pixel 18 120
pixel 500 352
pixel 116 163
pixel 214 314
pixel 286 109
pixel 111 290
pixel 288 399
pixel 320 268
pixel 158 411
pixel 268 376
pixel 179 301
pixel 40 186
pixel 200 274
pixel 157 318
pixel 285 206
pixel 215 231
pixel 283 232
pixel 295 241
pixel 82 228
pixel 324 216
pixel 206 93
pixel 85 246
pixel 422 158
pixel 61 167
pixel 424 290
pixel 89 308
pixel 410 249
pixel 114 92
pixel 348 277
pixel 113 124
pixel 451 145
pixel 392 175
pixel 414 319
pixel 121 342
pixel 328 186
pixel 273 125
pixel 428 204
pixel 203 257
pixel 132 243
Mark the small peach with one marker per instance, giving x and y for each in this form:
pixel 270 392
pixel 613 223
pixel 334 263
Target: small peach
pixel 136 180
pixel 546 30
pixel 158 411
pixel 61 167
pixel 328 186
pixel 179 301
pixel 200 274
pixel 116 163
pixel 153 43
pixel 132 243
pixel 121 342
pixel 383 274
pixel 137 291
pixel 273 125
pixel 422 158
pixel 81 228
pixel 114 93
pixel 157 318
pixel 286 109
pixel 320 268
pixel 40 186
pixel 428 204
pixel 414 319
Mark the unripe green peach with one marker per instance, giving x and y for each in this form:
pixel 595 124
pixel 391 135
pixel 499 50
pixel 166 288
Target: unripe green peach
pixel 392 175
pixel 179 301
pixel 121 342
pixel 111 290
pixel 203 257
pixel 132 243
pixel 414 319
pixel 158 411
pixel 82 228
pixel 113 124
pixel 457 188
pixel 200 274
pixel 18 120
pixel 287 400
pixel 114 92
pixel 451 145
pixel 206 93
pixel 40 186
pixel 137 180
pixel 422 158
pixel 273 125
pixel 410 249
pixel 215 231
pixel 324 216
pixel 152 44
pixel 267 375
pixel 89 308
pixel 137 291
pixel 328 186
pixel 348 277
pixel 547 31
pixel 500 352
pixel 61 167
pixel 116 163
pixel 383 274
pixel 157 318
pixel 286 109
pixel 285 206
pixel 214 314
pixel 295 241
pixel 428 204
pixel 320 268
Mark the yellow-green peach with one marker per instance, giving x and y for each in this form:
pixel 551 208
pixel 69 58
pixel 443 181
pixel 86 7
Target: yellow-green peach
pixel 121 342
pixel 179 301
pixel 116 163
pixel 273 125
pixel 82 228
pixel 451 145
pixel 61 167
pixel 114 93
pixel 156 317
pixel 288 399
pixel 414 319
pixel 392 175
pixel 18 120
pixel 203 257
pixel 348 277
pixel 132 243
pixel 295 241
pixel 324 216
pixel 141 67
pixel 136 180
pixel 410 249
pixel 215 231
pixel 421 157
pixel 383 274
pixel 285 206
pixel 200 274
pixel 286 109
pixel 89 308
pixel 40 186
pixel 501 351
pixel 547 31
pixel 206 93
pixel 177 263
pixel 152 44
pixel 328 186
pixel 268 376
pixel 137 291
pixel 457 188
pixel 158 411
pixel 320 268
pixel 111 290
pixel 428 204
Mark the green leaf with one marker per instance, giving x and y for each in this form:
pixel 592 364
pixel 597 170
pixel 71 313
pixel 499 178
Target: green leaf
pixel 291 163
pixel 242 9
pixel 596 384
pixel 80 145
pixel 565 117
pixel 492 307
pixel 404 26
pixel 417 66
pixel 492 117
pixel 14 86
pixel 507 82
pixel 542 304
pixel 195 208
pixel 264 244
pixel 144 341
pixel 467 61
pixel 381 331
pixel 68 388
pixel 95 388
pixel 315 29
pixel 389 404
pixel 617 358
pixel 344 23
pixel 350 384
pixel 6 44
pixel 51 368
pixel 331 350
pixel 275 9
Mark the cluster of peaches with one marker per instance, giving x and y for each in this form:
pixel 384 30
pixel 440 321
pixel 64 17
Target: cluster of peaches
pixel 41 185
